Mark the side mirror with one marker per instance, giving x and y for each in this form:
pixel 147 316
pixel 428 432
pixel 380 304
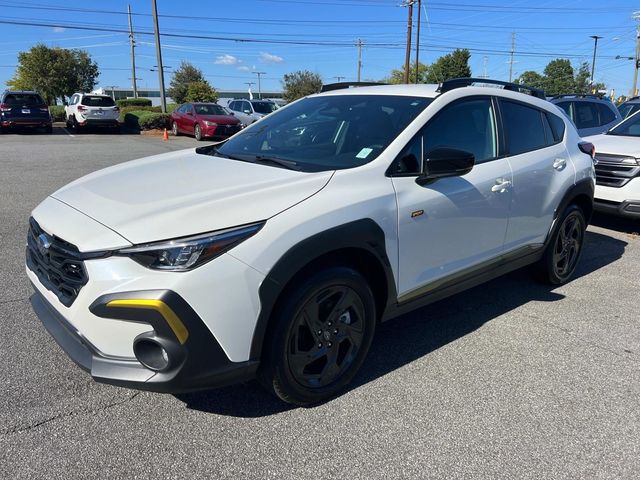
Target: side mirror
pixel 248 112
pixel 446 162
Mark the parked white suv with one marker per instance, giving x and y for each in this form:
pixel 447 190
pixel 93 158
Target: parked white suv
pixel 618 169
pixel 91 110
pixel 276 253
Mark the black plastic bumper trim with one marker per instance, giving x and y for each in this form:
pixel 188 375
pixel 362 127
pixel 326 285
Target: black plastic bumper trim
pixel 202 363
pixel 628 209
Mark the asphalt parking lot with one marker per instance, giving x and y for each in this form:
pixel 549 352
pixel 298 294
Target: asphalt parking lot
pixel 509 380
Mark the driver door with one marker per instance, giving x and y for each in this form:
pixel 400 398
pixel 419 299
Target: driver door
pixel 451 226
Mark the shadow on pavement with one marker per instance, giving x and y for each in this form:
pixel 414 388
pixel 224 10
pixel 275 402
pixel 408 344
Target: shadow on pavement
pixel 416 334
pixel 619 224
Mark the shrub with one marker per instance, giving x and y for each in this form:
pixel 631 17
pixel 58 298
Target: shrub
pixel 146 120
pixel 57 113
pixel 171 107
pixel 125 110
pixel 134 102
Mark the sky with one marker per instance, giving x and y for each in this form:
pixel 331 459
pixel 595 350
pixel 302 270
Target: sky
pixel 230 40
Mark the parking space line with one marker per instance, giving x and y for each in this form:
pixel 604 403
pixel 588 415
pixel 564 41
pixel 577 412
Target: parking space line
pixel 68 133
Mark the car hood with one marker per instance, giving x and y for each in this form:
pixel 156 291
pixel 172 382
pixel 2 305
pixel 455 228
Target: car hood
pixel 220 119
pixel 184 193
pixel 616 144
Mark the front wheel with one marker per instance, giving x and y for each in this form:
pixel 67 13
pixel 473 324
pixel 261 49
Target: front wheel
pixel 320 336
pixel 564 248
pixel 197 132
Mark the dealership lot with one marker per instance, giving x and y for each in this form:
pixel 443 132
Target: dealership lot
pixel 509 380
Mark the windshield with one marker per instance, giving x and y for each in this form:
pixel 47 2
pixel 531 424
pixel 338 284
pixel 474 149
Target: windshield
pixel 97 101
pixel 211 109
pixel 630 127
pixel 627 109
pixel 264 107
pixel 327 132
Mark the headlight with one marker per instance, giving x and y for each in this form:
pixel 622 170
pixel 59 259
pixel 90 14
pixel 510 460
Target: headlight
pixel 188 253
pixel 210 124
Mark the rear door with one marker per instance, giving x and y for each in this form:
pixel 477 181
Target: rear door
pixel 451 225
pixel 542 171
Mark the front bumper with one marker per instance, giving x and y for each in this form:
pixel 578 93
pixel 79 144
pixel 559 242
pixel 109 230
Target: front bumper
pixel 196 363
pixel 628 208
pixel 220 131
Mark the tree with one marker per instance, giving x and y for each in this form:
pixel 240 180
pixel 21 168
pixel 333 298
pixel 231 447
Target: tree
pixel 200 92
pixel 181 79
pixel 452 65
pixel 397 76
pixel 582 81
pixel 54 72
pixel 300 84
pixel 559 77
pixel 531 79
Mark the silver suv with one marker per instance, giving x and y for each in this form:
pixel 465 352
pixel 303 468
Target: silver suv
pixel 592 114
pixel 249 111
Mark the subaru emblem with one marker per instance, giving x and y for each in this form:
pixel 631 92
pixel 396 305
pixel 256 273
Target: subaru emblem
pixel 43 244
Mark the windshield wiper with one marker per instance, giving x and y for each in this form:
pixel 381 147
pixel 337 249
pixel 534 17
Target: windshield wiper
pixel 291 165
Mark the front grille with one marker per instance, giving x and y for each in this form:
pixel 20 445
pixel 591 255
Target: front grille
pixel 227 130
pixel 58 264
pixel 615 170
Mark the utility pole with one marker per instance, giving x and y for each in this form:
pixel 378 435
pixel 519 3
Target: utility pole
pixel 418 39
pixel 485 60
pixel 407 59
pixel 359 44
pixel 636 16
pixel 513 50
pixel 132 42
pixel 156 31
pixel 593 64
pixel 259 87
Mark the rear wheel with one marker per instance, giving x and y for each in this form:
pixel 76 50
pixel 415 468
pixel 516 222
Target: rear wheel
pixel 197 132
pixel 76 126
pixel 174 129
pixel 48 129
pixel 565 246
pixel 320 337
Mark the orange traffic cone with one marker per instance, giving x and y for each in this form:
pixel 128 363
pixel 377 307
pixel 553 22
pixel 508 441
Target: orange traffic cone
pixel 165 135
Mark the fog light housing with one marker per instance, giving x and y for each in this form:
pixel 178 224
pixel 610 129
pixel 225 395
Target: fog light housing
pixel 152 354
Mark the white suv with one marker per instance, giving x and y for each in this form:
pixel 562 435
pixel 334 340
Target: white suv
pixel 88 109
pixel 618 169
pixel 276 253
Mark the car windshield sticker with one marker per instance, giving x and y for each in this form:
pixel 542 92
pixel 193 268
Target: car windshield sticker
pixel 364 153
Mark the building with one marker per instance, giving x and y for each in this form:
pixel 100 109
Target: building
pixel 153 94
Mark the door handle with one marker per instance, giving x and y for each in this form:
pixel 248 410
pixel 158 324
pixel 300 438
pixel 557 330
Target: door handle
pixel 501 185
pixel 559 163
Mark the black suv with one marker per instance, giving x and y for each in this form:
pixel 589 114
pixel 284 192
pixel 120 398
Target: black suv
pixel 24 109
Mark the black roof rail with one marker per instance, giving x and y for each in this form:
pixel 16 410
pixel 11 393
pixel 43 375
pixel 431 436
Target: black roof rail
pixel 579 95
pixel 467 82
pixel 340 85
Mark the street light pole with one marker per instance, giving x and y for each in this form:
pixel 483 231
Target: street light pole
pixel 156 31
pixel 593 64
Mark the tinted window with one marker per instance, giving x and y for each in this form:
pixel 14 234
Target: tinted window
pixel 210 109
pixel 586 114
pixel 246 107
pixel 566 106
pixel 606 114
pixel 557 126
pixel 630 127
pixel 23 99
pixel 467 125
pixel 96 101
pixel 327 132
pixel 523 127
pixel 264 107
pixel 233 105
pixel 410 159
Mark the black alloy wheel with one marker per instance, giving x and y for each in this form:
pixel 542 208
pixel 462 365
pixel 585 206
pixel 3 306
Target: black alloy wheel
pixel 319 337
pixel 568 245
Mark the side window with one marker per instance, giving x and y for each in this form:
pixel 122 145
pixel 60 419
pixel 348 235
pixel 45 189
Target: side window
pixel 232 106
pixel 566 106
pixel 246 106
pixel 524 130
pixel 606 114
pixel 464 125
pixel 557 126
pixel 586 114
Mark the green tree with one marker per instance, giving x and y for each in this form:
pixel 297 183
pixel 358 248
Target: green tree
pixel 531 79
pixel 559 77
pixel 452 65
pixel 181 79
pixel 582 83
pixel 54 72
pixel 300 84
pixel 200 92
pixel 397 76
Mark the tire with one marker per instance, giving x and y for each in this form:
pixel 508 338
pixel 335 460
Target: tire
pixel 319 336
pixel 174 129
pixel 69 123
pixel 116 128
pixel 76 126
pixel 563 251
pixel 197 132
pixel 48 129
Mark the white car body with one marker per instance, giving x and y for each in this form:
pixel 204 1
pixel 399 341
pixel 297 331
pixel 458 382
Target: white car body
pixel 501 210
pixel 88 109
pixel 617 174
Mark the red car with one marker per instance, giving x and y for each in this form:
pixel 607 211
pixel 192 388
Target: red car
pixel 204 120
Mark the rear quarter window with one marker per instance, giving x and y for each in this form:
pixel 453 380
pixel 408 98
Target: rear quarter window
pixel 557 126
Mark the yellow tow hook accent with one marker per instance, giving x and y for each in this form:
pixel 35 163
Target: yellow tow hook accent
pixel 169 315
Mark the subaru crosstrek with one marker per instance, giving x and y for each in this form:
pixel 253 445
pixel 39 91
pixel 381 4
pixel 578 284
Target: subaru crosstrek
pixel 276 253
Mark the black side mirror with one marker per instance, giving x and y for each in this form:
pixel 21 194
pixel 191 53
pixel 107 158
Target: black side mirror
pixel 446 162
